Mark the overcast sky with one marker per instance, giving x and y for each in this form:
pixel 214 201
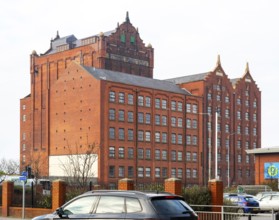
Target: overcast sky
pixel 187 36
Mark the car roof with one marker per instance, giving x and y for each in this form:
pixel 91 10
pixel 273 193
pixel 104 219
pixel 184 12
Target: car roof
pixel 139 194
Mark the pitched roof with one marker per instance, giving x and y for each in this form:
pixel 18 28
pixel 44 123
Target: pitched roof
pixel 113 76
pixel 189 78
pixel 71 40
pixel 269 150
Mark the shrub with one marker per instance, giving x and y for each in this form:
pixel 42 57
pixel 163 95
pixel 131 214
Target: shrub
pixel 197 195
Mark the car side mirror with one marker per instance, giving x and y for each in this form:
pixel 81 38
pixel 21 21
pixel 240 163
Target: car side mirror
pixel 60 212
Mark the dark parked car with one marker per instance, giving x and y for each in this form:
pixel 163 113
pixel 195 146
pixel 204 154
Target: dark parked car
pixel 107 204
pixel 246 203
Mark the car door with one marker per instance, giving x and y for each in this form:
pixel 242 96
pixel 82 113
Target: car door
pixel 110 207
pixel 274 202
pixel 265 203
pixel 80 208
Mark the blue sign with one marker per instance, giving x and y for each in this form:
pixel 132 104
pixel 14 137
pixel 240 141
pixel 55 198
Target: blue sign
pixel 271 170
pixel 22 178
pixel 24 173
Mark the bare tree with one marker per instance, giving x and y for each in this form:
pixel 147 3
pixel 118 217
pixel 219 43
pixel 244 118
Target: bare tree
pixel 8 167
pixel 78 166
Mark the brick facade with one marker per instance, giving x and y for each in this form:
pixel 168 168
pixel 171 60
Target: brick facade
pixel 162 133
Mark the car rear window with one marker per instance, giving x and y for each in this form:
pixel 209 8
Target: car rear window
pixel 170 205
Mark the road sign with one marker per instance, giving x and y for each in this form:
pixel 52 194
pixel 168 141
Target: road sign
pixel 24 173
pixel 22 178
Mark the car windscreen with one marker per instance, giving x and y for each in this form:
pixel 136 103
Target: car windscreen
pixel 170 205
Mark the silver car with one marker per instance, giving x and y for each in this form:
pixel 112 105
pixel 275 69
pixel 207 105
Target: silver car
pixel 269 202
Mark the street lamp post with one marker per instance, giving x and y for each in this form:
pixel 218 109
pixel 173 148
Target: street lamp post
pixel 209 144
pixel 229 157
pixel 216 146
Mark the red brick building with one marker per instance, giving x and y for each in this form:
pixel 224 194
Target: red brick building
pixel 266 164
pixel 100 90
pixel 238 103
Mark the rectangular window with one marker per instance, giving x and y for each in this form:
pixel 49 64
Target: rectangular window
pixel 164 104
pixel 130 99
pixel 130 171
pixel 238 101
pixel 164 137
pixel 173 105
pixel 140 135
pixel 140 171
pixel 130 134
pixel 23 147
pixel 195 157
pixel 147 118
pixel 239 144
pixel 247 116
pixel 179 173
pixel 164 172
pixel 130 153
pixel 121 97
pixel 157 119
pixel 157 136
pixel 227 113
pixel 195 173
pixel 121 153
pixel 121 115
pixel 140 153
pixel 254 117
pixel 173 121
pixel 188 123
pixel 147 172
pixel 247 103
pixel 112 96
pixel 140 117
pixel 188 139
pixel 179 138
pixel 164 155
pixel 179 106
pixel 195 140
pixel 111 171
pixel 111 133
pixel 227 99
pixel 188 173
pixel 157 103
pixel 130 116
pixel 147 136
pixel 24 118
pixel 157 154
pixel 188 107
pixel 121 134
pixel 164 120
pixel 238 115
pixel 179 156
pixel 194 124
pixel 112 114
pixel 157 172
pixel 147 101
pixel 148 154
pixel 111 152
pixel 173 138
pixel 195 108
pixel 188 156
pixel 23 107
pixel 173 172
pixel 173 155
pixel 179 122
pixel 140 100
pixel 121 171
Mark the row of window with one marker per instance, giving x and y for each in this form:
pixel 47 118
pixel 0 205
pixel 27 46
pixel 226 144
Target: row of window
pixel 146 172
pixel 147 102
pixel 146 118
pixel 239 172
pixel 239 158
pixel 146 154
pixel 159 137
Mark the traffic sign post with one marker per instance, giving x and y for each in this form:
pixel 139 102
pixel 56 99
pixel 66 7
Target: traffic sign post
pixel 23 178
